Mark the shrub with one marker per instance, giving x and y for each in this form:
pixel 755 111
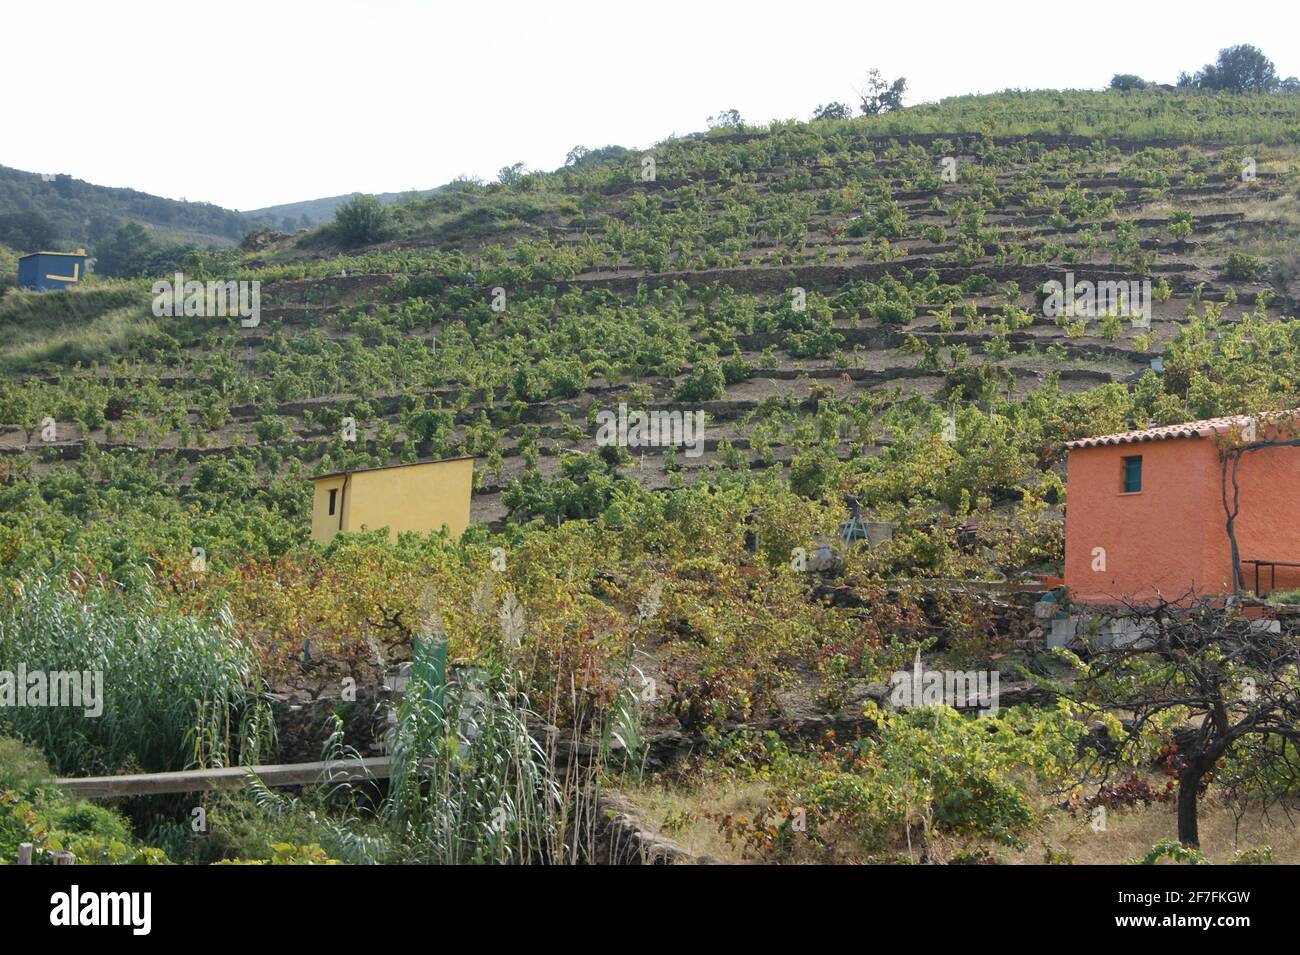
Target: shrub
pixel 926 772
pixel 706 382
pixel 88 819
pixel 286 853
pixel 22 768
pixel 1128 81
pixel 935 233
pixel 271 427
pixel 1243 267
pixel 1174 852
pixel 735 368
pixel 361 220
pixel 813 473
pixel 93 835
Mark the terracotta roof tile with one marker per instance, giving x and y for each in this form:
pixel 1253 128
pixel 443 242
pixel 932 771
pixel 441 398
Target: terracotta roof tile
pixel 1191 429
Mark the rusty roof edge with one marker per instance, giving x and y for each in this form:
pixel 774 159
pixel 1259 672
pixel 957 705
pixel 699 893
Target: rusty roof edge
pixel 390 467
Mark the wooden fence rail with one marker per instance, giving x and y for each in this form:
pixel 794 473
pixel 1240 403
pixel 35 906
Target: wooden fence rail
pixel 230 777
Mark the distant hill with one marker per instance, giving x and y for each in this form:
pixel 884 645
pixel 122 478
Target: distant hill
pixel 62 213
pixel 291 216
pixel 58 210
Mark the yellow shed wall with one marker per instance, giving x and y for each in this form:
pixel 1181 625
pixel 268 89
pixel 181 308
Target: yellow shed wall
pixel 419 497
pixel 324 525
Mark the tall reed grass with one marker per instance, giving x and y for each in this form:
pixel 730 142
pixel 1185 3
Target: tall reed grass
pixel 475 778
pixel 177 692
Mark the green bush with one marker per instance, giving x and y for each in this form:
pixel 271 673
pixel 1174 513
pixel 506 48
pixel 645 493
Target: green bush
pixel 23 769
pixel 935 233
pixel 1173 851
pixel 360 221
pixel 93 835
pixel 271 427
pixel 813 473
pixel 706 382
pixel 1128 81
pixel 932 770
pixel 1243 267
pixel 87 819
pixel 286 853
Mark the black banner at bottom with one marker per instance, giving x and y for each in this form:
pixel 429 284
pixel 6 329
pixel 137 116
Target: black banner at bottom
pixel 335 904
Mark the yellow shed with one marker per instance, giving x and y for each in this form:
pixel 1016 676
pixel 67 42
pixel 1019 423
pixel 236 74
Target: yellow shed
pixel 402 497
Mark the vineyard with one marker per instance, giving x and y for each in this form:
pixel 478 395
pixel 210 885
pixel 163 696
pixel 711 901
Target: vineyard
pixel 687 632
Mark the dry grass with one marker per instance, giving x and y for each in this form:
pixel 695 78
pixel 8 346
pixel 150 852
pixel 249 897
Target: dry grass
pixel 1131 833
pixel 681 814
pixel 96 340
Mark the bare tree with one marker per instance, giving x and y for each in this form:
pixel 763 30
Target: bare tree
pixel 1210 682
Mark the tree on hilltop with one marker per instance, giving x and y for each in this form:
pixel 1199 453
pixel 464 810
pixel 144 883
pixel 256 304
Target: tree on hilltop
pixel 509 175
pixel 726 119
pixel 882 96
pixel 1239 69
pixel 833 110
pixel 1128 81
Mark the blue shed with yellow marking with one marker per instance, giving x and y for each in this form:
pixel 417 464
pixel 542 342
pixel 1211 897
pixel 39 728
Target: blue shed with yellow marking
pixel 50 270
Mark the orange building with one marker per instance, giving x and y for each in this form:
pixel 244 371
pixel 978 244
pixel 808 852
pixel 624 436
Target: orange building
pixel 1147 512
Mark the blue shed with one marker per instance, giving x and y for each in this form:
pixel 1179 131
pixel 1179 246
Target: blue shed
pixel 47 270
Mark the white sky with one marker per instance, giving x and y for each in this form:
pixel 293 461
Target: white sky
pixel 249 104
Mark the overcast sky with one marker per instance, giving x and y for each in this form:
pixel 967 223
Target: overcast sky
pixel 249 104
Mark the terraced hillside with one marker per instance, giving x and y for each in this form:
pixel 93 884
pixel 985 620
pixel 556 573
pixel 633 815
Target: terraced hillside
pixel 858 309
pixel 682 291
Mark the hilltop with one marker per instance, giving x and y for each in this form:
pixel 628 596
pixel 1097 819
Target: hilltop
pixel 291 216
